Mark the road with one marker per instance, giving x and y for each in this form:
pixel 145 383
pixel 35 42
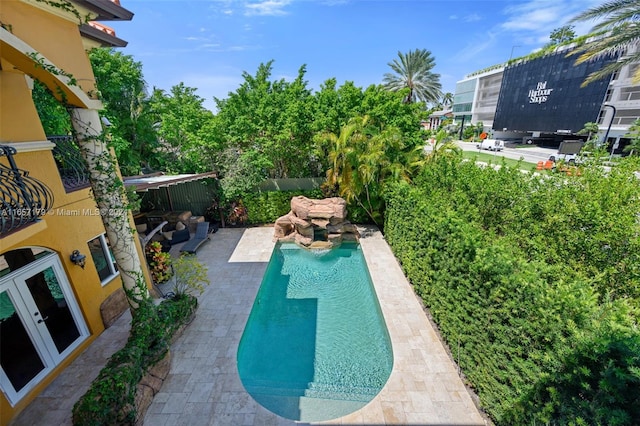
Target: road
pixel 530 154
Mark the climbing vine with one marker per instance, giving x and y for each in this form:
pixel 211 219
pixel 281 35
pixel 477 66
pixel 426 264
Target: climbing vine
pixel 7 27
pixel 110 194
pixel 68 7
pixel 41 62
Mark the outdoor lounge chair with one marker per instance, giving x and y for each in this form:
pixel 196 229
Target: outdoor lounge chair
pixel 202 235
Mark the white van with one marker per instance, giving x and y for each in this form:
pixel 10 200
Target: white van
pixel 491 145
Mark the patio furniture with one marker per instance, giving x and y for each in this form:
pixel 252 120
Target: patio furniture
pixel 145 240
pixel 173 217
pixel 202 235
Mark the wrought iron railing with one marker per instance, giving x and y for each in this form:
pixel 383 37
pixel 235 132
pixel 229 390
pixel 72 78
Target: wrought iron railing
pixel 71 166
pixel 23 199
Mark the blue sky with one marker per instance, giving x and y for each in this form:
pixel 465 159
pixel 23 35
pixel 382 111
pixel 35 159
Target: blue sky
pixel 208 44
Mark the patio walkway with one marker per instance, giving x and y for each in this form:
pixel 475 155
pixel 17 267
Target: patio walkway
pixel 203 387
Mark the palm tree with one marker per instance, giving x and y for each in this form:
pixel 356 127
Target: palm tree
pixel 447 100
pixel 443 146
pixel 617 33
pixel 591 129
pixel 363 158
pixel 413 71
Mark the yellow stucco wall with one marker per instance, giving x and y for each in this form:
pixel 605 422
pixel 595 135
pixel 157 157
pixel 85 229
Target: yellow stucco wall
pixel 17 109
pixel 56 38
pixel 73 220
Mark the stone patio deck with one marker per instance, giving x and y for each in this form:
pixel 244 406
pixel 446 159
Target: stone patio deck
pixel 203 387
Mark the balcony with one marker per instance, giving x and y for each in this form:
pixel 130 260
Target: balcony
pixel 23 199
pixel 71 166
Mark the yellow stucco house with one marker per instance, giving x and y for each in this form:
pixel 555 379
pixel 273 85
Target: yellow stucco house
pixel 56 264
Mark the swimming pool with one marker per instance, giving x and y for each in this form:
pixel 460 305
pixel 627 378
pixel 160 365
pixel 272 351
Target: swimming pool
pixel 315 346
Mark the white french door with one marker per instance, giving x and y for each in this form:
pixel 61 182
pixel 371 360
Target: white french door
pixel 40 324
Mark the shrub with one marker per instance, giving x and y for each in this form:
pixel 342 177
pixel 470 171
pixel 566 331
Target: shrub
pixel 111 397
pixel 519 272
pixel 267 206
pixel 190 276
pixel 159 262
pixel 597 382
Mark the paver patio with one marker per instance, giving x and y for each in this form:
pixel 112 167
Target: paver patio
pixel 203 387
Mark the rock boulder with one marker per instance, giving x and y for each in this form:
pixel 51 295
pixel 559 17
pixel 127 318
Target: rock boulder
pixel 316 223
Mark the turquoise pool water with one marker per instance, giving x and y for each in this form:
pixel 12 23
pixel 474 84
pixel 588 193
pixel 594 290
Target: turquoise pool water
pixel 315 346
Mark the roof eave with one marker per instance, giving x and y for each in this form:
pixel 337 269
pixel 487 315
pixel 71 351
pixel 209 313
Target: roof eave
pixel 101 37
pixel 107 10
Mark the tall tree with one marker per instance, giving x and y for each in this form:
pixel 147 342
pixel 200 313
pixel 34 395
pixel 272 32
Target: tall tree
pixel 561 35
pixel 274 119
pixel 123 92
pixel 413 70
pixel 183 124
pixel 590 129
pixel 618 32
pixel 334 106
pixel 447 100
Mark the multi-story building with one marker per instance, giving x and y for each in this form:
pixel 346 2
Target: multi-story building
pixel 476 97
pixel 621 106
pixel 57 272
pixel 540 99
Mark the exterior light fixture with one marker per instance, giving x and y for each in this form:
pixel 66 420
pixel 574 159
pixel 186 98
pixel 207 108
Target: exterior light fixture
pixel 78 258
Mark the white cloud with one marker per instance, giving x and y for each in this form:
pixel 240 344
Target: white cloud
pixel 226 7
pixel 474 17
pixel 267 8
pixel 528 25
pixel 334 2
pixel 476 49
pixel 535 19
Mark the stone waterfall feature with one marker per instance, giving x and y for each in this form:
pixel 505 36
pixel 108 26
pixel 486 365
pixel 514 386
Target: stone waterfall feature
pixel 316 223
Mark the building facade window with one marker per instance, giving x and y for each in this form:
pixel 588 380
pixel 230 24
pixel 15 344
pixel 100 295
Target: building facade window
pixel 609 95
pixel 630 93
pixel 103 258
pixel 462 108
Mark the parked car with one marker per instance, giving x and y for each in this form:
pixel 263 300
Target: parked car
pixel 491 145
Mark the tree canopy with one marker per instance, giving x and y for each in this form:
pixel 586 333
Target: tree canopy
pixel 123 92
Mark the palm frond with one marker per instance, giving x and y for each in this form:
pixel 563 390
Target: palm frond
pixel 617 33
pixel 413 70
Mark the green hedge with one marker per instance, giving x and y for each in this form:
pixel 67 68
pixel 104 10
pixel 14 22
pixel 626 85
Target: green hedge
pixel 518 272
pixel 267 206
pixel 110 399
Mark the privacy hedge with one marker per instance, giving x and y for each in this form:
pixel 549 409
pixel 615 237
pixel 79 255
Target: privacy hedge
pixel 534 283
pixel 267 206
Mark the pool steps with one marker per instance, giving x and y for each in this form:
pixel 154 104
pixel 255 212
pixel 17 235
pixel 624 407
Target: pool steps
pixel 311 390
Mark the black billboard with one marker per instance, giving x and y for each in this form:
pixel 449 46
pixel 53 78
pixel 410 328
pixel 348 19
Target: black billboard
pixel 544 95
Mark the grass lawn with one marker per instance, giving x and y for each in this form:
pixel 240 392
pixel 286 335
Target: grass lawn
pixel 495 159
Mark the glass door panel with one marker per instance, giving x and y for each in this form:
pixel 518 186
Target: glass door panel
pixel 19 358
pixel 40 324
pixel 53 310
